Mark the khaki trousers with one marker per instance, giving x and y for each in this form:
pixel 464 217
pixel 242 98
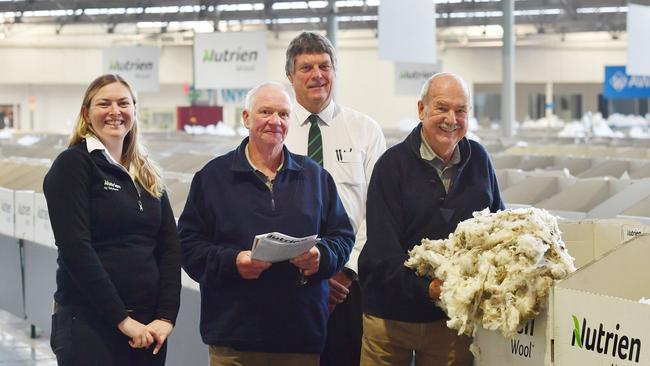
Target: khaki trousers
pixel 225 356
pixel 394 343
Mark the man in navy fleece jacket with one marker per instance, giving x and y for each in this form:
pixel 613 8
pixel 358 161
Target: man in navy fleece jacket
pixel 255 312
pixel 420 188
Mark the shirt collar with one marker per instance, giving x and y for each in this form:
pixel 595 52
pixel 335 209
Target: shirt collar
pixel 326 115
pixel 248 157
pixel 240 163
pixel 93 143
pixel 427 153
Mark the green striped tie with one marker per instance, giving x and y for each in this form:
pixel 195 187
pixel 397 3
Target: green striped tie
pixel 315 145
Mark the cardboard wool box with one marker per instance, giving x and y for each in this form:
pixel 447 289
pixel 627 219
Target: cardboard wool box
pixel 531 346
pixel 508 177
pixel 589 239
pixel 42 228
pixel 521 192
pixel 621 201
pixel 631 152
pixel 639 211
pixel 569 150
pixel 586 240
pixel 640 169
pixel 532 162
pixel 24 214
pixel 598 319
pixel 577 200
pixel 506 161
pixel 607 168
pixel 7 211
pixel 602 151
pixel 560 150
pixel 575 165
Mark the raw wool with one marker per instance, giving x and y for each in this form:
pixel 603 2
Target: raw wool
pixel 643 300
pixel 497 268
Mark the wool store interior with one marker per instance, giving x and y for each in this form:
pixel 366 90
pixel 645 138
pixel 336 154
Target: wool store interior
pixel 558 96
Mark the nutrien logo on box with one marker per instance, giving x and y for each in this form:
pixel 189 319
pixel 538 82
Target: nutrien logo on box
pixel 24 210
pixel 610 342
pixel 42 214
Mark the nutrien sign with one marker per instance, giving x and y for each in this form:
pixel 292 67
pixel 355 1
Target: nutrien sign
pixel 409 77
pixel 138 65
pixel 229 60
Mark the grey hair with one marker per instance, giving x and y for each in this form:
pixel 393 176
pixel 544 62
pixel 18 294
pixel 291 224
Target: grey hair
pixel 250 96
pixel 308 42
pixel 424 92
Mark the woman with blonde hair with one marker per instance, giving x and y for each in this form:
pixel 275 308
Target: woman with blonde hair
pixel 118 281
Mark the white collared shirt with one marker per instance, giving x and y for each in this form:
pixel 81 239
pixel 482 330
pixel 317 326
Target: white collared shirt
pixel 93 143
pixel 352 143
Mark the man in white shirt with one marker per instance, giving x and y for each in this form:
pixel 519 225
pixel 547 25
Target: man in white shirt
pixel 347 144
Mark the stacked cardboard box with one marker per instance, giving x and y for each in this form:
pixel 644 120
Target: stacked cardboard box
pixel 589 241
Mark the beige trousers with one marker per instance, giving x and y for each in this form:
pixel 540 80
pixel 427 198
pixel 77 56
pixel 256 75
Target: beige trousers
pixel 394 343
pixel 225 356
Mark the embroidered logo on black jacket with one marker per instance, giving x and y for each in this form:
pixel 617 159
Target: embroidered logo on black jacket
pixel 110 186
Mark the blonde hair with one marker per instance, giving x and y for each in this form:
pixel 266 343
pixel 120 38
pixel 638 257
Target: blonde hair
pixel 134 156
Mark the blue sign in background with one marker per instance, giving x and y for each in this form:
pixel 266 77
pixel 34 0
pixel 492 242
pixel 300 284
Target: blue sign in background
pixel 618 84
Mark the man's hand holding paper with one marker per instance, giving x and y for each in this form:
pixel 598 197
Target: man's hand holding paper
pixel 250 269
pixel 308 262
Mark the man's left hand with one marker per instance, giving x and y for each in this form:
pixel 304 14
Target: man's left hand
pixel 435 289
pixel 308 262
pixel 339 285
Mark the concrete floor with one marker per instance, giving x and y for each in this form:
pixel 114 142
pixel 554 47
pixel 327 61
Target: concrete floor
pixel 16 346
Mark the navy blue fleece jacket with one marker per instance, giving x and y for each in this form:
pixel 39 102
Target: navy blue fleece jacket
pixel 227 206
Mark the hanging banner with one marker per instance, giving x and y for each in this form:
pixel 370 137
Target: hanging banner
pixel 138 65
pixel 231 60
pixel 638 28
pixel 618 84
pixel 409 78
pixel 407 31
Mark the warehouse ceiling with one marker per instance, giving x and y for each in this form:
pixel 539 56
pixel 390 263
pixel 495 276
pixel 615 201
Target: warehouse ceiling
pixel 162 16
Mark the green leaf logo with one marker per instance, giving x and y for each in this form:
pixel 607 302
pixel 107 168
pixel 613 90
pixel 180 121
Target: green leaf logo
pixel 576 331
